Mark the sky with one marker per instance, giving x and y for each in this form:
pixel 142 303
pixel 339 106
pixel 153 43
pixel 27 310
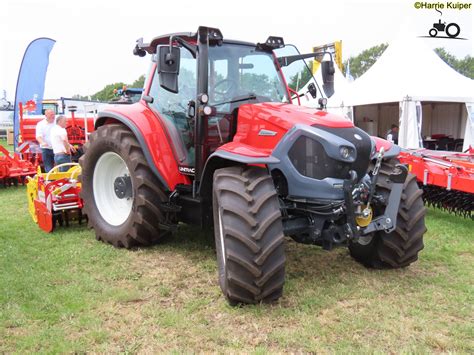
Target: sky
pixel 95 39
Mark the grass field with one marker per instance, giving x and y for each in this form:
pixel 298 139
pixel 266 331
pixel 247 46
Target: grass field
pixel 4 143
pixel 66 292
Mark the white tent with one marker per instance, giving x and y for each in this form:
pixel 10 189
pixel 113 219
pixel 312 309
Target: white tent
pixel 407 75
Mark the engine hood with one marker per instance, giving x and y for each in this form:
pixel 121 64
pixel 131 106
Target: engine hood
pixel 285 116
pixel 261 126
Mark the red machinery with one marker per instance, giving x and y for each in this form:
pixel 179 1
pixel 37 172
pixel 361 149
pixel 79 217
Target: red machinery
pixel 14 170
pixel 54 197
pixel 78 129
pixel 447 178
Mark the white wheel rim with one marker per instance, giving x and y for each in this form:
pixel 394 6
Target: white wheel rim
pixel 221 235
pixel 113 210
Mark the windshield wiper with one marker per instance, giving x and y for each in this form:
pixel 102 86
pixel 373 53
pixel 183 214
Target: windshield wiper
pixel 245 98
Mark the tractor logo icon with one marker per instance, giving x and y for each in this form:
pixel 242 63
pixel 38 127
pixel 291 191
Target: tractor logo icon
pixel 452 30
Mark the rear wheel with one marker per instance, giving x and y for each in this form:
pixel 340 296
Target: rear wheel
pixel 249 235
pixel 122 197
pixel 401 247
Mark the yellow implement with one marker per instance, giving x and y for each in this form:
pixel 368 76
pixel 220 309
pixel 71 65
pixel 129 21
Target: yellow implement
pixel 37 191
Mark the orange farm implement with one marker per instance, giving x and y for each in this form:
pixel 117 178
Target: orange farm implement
pixel 447 178
pixel 13 170
pixel 54 197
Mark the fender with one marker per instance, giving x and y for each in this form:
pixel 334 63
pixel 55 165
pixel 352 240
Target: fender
pixel 150 134
pixel 391 150
pixel 222 159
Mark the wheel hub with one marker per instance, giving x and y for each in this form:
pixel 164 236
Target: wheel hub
pixel 123 187
pixel 113 188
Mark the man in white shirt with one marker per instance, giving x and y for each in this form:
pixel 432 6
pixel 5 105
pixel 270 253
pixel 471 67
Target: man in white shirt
pixel 43 136
pixel 61 147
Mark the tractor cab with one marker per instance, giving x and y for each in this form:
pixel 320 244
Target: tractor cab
pixel 198 84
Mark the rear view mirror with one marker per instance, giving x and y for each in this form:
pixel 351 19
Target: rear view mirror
pixel 328 71
pixel 168 67
pixel 312 90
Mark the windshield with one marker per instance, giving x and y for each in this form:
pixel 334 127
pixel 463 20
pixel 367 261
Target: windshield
pixel 298 74
pixel 238 73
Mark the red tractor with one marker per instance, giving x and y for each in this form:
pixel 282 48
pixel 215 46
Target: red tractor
pixel 216 141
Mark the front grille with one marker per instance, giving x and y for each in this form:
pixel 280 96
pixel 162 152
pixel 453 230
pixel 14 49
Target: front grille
pixel 310 159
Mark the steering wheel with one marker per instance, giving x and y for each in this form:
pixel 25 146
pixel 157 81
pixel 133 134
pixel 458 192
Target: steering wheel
pixel 228 85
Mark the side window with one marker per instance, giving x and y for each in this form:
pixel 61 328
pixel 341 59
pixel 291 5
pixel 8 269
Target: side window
pixel 298 74
pixel 172 107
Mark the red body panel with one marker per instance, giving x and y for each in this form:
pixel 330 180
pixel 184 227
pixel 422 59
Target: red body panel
pixel 379 143
pixel 156 139
pixel 45 218
pixel 276 117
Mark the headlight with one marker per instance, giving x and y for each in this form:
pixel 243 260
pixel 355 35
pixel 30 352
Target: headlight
pixel 345 152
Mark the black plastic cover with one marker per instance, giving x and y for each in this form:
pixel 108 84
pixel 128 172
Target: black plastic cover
pixel 310 159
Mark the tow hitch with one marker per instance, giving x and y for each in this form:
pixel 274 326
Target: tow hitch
pixel 388 221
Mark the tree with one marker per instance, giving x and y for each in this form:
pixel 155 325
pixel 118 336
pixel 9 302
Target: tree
pixel 362 62
pixel 463 66
pixel 107 93
pixel 139 83
pixel 300 79
pixel 80 97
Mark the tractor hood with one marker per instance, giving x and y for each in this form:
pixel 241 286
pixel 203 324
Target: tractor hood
pixel 285 116
pixel 261 126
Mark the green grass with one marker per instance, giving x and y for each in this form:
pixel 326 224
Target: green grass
pixel 66 292
pixel 3 142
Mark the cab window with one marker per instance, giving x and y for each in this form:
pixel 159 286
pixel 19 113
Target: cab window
pixel 172 107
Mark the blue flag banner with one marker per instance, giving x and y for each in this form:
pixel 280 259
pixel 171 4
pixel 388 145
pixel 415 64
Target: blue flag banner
pixel 31 78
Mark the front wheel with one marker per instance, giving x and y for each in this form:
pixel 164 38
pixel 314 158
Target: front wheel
pixel 399 248
pixel 249 235
pixel 122 196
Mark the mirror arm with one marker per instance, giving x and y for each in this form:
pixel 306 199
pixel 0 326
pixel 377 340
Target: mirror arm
pixel 285 61
pixel 190 47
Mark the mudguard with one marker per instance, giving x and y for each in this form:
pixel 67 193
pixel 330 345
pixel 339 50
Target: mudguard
pixel 153 140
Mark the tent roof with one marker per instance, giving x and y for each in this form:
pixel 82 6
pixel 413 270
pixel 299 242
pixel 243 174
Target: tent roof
pixel 409 68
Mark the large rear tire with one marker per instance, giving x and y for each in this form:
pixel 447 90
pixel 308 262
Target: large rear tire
pixel 113 152
pixel 249 235
pixel 401 247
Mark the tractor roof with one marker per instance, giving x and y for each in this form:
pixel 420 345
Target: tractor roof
pixel 190 37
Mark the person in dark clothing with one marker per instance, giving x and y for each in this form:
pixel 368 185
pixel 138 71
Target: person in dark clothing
pixel 392 134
